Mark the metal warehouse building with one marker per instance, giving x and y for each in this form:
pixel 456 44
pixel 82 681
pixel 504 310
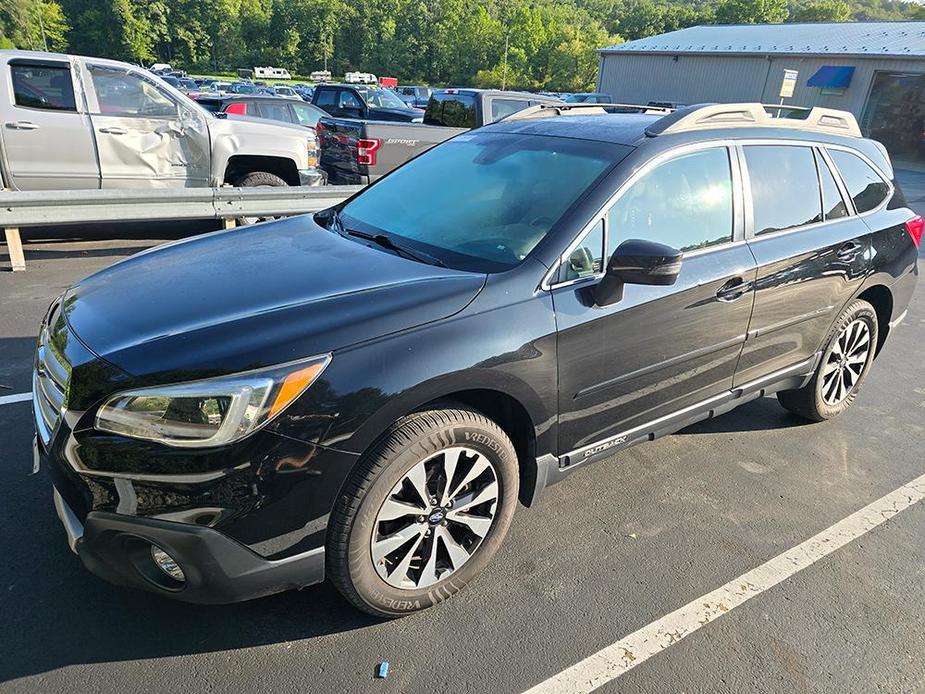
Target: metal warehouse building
pixel 875 70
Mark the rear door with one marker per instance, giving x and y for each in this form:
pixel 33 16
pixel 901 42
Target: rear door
pixel 812 250
pixel 145 135
pixel 47 136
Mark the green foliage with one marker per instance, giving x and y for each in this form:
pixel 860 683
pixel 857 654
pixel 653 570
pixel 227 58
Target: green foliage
pixel 525 44
pixel 751 11
pixel 34 24
pixel 823 11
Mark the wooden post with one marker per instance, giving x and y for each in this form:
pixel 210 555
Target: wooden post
pixel 14 246
pixel 229 223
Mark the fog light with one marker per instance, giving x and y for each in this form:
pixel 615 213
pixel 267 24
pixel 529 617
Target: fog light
pixel 167 564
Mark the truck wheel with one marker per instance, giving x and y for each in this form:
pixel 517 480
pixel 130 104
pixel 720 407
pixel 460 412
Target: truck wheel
pixel 423 512
pixel 258 179
pixel 845 362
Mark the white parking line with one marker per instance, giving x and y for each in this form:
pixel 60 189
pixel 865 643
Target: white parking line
pixel 622 656
pixel 19 397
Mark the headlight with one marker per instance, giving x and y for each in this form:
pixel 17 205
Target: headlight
pixel 212 412
pixel 312 152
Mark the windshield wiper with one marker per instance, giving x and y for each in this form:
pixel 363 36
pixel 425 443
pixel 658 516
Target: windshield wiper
pixel 387 242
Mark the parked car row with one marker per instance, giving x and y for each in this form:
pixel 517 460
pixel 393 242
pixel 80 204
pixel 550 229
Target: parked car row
pixel 360 146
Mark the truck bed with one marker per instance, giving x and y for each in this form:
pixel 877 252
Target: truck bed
pixel 387 145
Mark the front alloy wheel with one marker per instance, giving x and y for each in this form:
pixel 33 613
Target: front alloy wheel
pixel 424 511
pixel 435 518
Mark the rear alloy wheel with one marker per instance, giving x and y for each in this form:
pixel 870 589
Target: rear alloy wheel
pixel 423 512
pixel 845 362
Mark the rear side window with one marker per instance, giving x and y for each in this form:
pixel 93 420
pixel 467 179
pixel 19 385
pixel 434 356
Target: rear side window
pixel 685 203
pixel 784 185
pixel 505 107
pixel 274 111
pixel 451 110
pixel 45 87
pixel 833 206
pixel 327 98
pixel 865 186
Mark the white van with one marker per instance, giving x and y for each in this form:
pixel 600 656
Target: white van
pixel 273 73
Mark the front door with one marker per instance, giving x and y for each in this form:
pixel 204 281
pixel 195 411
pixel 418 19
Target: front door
pixel 813 251
pixel 146 136
pixel 46 133
pixel 659 349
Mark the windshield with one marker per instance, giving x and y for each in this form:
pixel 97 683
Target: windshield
pixel 383 98
pixel 482 201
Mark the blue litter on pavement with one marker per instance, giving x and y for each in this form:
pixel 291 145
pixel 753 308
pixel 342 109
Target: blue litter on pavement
pixel 383 670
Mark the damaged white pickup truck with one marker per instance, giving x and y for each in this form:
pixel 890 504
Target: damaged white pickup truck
pixel 72 122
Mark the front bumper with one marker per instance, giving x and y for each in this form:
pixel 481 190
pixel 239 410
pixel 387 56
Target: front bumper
pixel 312 177
pixel 218 570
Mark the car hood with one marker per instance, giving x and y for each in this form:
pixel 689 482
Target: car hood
pixel 262 295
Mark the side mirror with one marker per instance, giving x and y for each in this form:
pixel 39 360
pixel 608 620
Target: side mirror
pixel 638 262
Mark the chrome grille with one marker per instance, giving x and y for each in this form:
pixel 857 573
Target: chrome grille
pixel 49 384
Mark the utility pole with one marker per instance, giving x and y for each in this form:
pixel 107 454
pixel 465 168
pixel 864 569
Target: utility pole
pixel 504 63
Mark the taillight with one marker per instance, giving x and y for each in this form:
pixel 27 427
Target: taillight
pixel 239 109
pixel 366 151
pixel 915 226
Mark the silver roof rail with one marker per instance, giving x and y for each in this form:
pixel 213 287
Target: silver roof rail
pixel 544 110
pixel 753 115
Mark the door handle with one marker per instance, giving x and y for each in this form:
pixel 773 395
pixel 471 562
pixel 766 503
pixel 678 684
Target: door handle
pixel 113 130
pixel 849 250
pixel 22 125
pixel 734 289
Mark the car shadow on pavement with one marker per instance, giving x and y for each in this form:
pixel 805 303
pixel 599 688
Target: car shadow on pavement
pixel 762 414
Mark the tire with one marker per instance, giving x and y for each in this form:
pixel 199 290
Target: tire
pixel 260 178
pixel 363 560
pixel 820 399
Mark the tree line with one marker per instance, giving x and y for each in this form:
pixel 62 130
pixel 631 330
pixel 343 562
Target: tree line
pixel 526 44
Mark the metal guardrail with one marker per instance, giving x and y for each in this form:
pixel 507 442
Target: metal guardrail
pixel 45 208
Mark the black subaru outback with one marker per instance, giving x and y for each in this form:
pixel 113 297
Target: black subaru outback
pixel 366 394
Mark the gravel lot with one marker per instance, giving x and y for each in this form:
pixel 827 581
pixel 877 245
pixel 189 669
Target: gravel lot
pixel 608 551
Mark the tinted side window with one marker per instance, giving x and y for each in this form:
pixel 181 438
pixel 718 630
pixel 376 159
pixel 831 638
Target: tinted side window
pixel 864 184
pixel 785 187
pixel 43 87
pixel 833 206
pixel 274 111
pixel 327 98
pixel 505 107
pixel 588 259
pixel 685 203
pixel 451 110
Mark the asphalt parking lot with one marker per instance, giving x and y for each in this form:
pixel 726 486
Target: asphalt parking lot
pixel 612 549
